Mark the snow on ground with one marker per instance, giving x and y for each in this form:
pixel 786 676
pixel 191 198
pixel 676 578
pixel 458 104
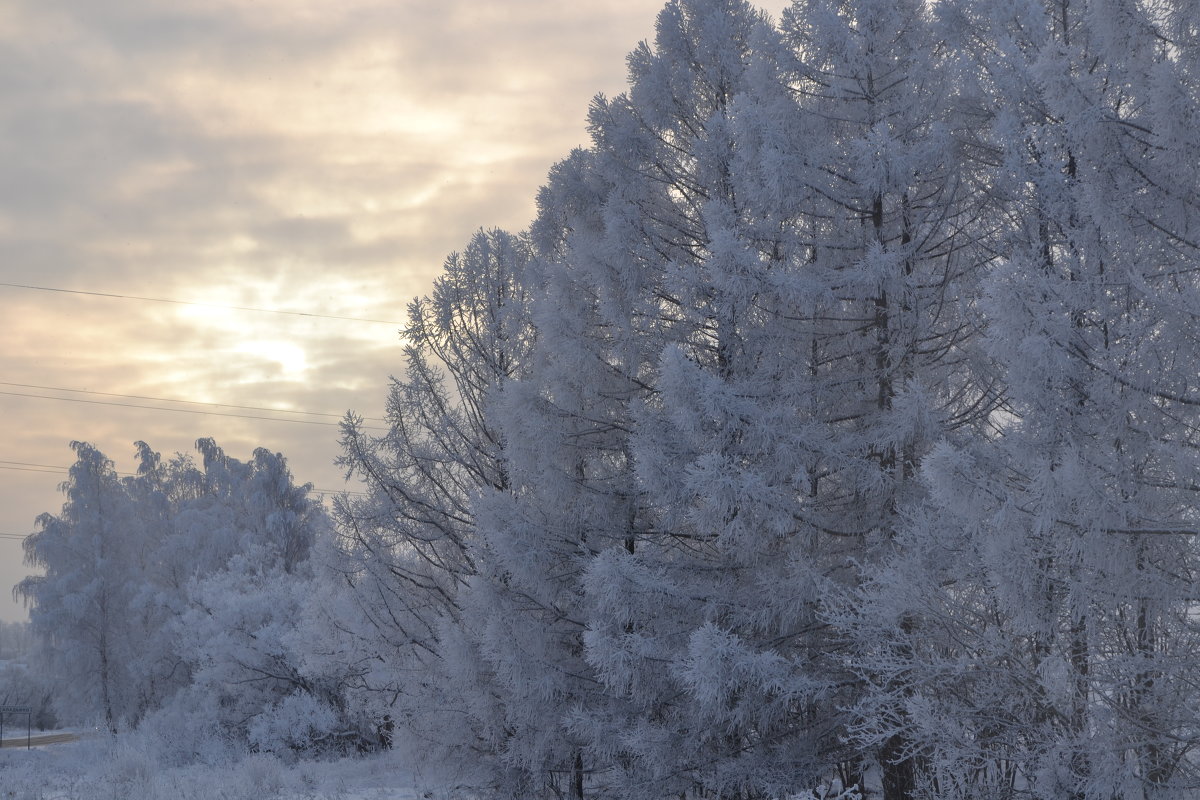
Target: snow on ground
pixel 102 768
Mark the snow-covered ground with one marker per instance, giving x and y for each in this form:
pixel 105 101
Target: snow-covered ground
pixel 101 768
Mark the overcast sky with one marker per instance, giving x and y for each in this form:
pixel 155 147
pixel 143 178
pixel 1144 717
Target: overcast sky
pixel 308 155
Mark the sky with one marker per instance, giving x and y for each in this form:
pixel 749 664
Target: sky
pixel 314 156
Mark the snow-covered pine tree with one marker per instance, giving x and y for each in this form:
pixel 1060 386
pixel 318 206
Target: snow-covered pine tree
pixel 837 301
pixel 1065 598
pixel 613 221
pixel 407 548
pixel 570 494
pixel 700 152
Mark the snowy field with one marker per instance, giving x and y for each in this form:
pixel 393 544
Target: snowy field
pixel 101 768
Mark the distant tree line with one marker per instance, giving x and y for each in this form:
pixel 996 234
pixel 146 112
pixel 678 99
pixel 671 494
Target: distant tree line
pixel 19 685
pixel 16 640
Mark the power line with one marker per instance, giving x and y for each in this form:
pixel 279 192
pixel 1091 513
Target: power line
pixel 196 303
pixel 181 410
pixel 24 466
pixel 30 469
pixel 189 402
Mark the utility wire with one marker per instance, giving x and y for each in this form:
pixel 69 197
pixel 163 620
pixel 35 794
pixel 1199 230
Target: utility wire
pixel 30 469
pixel 182 410
pixel 24 466
pixel 189 402
pixel 196 303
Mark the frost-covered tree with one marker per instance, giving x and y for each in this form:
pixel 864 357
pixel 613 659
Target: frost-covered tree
pixel 898 234
pixel 244 628
pixel 181 581
pixel 1062 609
pixel 696 152
pixel 562 425
pixel 407 548
pixel 101 610
pixel 24 684
pixel 77 607
pixel 584 659
pixel 817 334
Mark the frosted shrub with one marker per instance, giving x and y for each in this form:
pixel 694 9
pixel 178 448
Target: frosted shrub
pixel 263 773
pixel 130 773
pixel 186 731
pixel 299 723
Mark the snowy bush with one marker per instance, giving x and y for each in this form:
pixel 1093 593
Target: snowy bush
pixel 188 729
pixel 299 723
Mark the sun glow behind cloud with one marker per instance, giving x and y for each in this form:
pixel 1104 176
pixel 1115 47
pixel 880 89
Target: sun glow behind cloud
pixel 290 358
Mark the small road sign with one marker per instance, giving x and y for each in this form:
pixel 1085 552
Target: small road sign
pixel 27 711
